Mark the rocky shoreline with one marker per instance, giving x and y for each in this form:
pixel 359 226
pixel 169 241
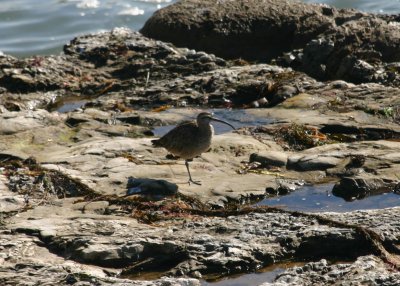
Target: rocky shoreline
pixel 76 131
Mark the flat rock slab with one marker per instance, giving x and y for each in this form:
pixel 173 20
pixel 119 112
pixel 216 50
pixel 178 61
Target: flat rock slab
pixel 194 246
pixel 25 262
pixel 206 245
pixel 105 162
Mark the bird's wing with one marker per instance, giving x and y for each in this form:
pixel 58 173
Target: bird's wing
pixel 178 139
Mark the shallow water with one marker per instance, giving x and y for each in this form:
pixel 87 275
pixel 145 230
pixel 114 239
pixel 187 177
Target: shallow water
pixel 319 198
pixel 42 27
pixel 267 274
pixel 72 105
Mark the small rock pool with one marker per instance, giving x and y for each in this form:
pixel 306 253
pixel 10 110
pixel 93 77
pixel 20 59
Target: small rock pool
pixel 319 198
pixel 267 274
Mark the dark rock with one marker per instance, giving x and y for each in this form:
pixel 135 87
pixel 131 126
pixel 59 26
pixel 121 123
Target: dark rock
pixel 361 186
pixel 360 50
pixel 74 121
pixel 250 91
pixel 356 161
pixel 240 29
pixel 329 44
pixel 134 119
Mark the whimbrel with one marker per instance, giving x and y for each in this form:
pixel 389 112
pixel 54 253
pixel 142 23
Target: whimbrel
pixel 188 140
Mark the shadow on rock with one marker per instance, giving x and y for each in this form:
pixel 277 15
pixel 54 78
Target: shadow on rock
pixel 151 188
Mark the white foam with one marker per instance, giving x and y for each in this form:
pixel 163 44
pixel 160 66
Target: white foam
pixel 135 11
pixel 86 4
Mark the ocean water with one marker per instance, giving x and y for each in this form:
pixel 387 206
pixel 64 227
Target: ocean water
pixel 42 27
pixel 380 6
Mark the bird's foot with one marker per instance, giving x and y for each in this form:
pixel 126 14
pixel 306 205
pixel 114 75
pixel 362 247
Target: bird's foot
pixel 194 182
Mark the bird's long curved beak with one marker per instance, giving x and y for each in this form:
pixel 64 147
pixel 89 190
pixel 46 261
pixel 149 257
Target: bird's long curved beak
pixel 219 120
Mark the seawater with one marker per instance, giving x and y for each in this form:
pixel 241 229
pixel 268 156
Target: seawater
pixel 373 6
pixel 42 27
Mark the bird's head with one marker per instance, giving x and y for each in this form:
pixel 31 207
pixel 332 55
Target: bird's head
pixel 206 117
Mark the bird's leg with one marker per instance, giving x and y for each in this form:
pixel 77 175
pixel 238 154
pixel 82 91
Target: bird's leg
pixel 190 176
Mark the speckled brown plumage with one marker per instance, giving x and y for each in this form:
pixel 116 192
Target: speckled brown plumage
pixel 190 139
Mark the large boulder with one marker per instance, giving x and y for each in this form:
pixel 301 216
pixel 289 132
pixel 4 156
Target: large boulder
pixel 256 30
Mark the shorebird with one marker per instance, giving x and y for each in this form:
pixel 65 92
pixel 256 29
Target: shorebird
pixel 189 139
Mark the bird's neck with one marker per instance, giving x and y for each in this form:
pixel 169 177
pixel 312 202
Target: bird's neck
pixel 204 125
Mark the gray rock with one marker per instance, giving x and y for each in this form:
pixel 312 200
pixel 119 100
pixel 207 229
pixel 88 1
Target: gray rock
pixel 368 270
pixel 270 158
pixel 243 242
pixel 99 207
pixel 314 162
pixel 331 57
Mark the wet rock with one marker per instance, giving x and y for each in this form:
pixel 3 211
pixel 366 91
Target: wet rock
pixel 362 185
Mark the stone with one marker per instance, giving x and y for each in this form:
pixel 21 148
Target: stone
pixel 270 158
pixel 363 185
pixel 365 270
pixel 314 162
pixel 252 30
